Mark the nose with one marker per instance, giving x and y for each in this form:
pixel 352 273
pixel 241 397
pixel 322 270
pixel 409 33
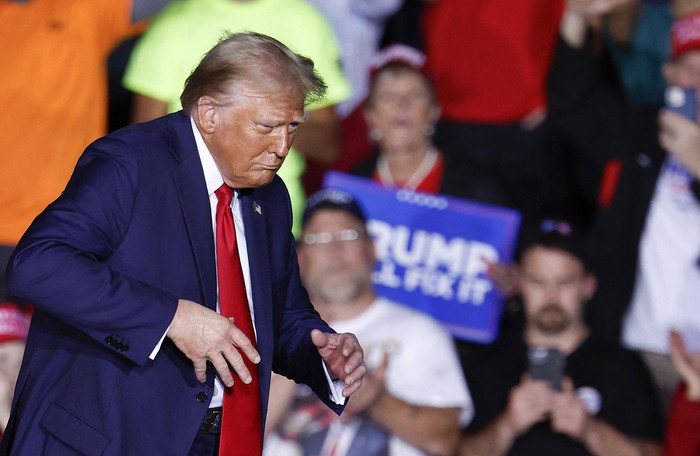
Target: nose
pixel 404 101
pixel 551 291
pixel 281 143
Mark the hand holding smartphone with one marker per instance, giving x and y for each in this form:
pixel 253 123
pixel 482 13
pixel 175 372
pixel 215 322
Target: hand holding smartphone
pixel 682 100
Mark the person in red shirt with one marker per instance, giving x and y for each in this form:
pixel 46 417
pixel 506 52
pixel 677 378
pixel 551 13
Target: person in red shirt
pixel 682 437
pixel 489 62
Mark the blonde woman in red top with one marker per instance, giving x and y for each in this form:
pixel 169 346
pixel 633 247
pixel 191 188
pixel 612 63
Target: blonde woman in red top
pixel 401 112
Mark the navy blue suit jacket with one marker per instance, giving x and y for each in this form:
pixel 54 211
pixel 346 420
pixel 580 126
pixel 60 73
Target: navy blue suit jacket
pixel 105 265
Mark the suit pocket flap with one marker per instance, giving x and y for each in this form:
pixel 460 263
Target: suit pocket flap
pixel 73 431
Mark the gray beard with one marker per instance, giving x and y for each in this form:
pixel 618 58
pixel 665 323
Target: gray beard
pixel 339 294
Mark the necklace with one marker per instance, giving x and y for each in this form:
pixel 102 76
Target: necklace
pixel 414 179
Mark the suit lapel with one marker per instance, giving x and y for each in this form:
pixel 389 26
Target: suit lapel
pixel 260 278
pixel 258 261
pixel 194 201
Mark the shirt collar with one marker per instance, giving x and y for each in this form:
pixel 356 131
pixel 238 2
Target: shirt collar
pixel 212 176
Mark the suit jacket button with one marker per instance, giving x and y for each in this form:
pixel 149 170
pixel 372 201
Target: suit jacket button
pixel 202 397
pixel 109 340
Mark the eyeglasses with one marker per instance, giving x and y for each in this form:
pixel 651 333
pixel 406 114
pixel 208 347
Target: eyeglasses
pixel 325 238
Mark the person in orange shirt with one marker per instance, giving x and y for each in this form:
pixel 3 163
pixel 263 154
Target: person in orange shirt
pixel 54 94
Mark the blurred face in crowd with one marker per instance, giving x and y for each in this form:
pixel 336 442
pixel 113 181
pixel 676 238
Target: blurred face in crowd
pixel 554 287
pixel 336 257
pixel 401 105
pixel 684 71
pixel 249 133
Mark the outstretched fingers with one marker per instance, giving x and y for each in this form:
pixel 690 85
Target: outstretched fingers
pixel 343 356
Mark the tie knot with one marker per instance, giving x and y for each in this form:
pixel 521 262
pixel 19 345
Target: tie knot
pixel 224 194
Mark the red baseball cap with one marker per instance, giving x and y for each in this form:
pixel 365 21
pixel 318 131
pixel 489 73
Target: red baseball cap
pixel 14 322
pixel 685 34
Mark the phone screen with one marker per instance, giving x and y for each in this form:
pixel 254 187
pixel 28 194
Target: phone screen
pixel 546 364
pixel 682 100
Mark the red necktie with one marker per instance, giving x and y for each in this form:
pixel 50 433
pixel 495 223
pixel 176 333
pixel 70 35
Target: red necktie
pixel 241 432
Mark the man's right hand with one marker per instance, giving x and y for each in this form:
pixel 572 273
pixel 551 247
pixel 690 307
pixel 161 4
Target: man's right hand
pixel 204 335
pixel 530 402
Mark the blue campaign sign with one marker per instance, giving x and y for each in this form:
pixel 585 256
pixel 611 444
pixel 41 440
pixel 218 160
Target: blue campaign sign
pixel 433 250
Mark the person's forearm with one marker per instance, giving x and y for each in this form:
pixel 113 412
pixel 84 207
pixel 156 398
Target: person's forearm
pixel 603 440
pixel 145 108
pixel 494 440
pixel 432 429
pixel 282 391
pixel 622 22
pixel 573 29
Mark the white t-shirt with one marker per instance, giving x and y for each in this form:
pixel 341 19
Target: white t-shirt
pixel 423 369
pixel 667 289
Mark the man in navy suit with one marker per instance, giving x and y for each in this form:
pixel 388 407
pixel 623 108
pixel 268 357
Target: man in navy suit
pixel 126 353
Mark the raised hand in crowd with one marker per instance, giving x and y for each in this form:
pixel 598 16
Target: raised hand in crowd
pixel 373 387
pixel 687 364
pixel 680 136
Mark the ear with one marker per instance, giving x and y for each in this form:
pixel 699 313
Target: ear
pixel 435 112
pixel 370 119
pixel 302 256
pixel 590 285
pixel 371 250
pixel 675 73
pixel 205 115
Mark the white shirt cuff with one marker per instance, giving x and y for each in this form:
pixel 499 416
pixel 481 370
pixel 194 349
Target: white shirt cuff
pixel 157 347
pixel 336 387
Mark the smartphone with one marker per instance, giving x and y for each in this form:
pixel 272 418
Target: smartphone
pixel 545 363
pixel 682 100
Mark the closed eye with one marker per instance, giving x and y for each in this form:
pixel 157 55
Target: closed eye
pixel 266 128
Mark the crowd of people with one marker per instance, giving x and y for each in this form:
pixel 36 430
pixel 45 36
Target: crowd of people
pixel 558 110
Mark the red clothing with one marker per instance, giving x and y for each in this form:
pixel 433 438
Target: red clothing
pixel 683 426
pixel 489 60
pixel 431 183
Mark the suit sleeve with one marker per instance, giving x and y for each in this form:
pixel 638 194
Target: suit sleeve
pixel 303 363
pixel 295 355
pixel 61 264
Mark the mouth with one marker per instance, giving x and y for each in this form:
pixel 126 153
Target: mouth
pixel 401 123
pixel 272 168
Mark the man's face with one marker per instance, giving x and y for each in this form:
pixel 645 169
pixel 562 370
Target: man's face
pixel 554 287
pixel 338 270
pixel 250 134
pixel 401 108
pixel 684 71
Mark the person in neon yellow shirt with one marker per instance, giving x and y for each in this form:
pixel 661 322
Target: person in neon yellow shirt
pixel 178 37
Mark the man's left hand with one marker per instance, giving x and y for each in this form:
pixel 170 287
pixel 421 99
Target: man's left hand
pixel 343 356
pixel 680 137
pixel 569 415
